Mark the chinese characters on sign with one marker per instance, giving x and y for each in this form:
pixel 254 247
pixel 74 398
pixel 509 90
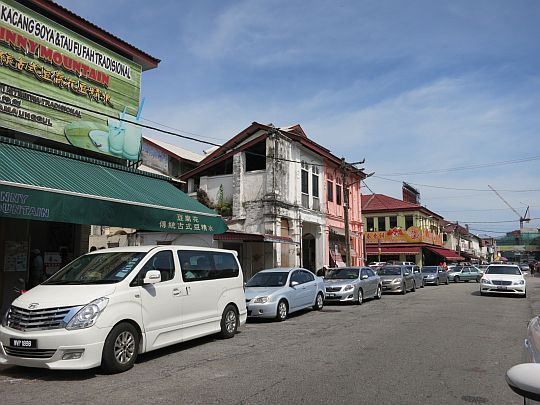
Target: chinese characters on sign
pixel 187 223
pixel 398 235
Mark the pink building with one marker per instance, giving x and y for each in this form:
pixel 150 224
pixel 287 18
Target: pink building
pixel 336 182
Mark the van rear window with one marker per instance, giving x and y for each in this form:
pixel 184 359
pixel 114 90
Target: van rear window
pixel 199 265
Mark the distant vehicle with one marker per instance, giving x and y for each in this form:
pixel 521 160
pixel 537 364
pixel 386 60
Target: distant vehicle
pixel 396 279
pixel 434 275
pixel 376 264
pixel 466 274
pixel 352 284
pixel 417 275
pixel 524 266
pixel 503 278
pixel 482 269
pixel 396 263
pixel 275 293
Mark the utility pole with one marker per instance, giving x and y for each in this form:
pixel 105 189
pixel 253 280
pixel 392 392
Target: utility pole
pixel 346 212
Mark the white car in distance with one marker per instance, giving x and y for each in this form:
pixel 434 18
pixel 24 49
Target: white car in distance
pixel 503 279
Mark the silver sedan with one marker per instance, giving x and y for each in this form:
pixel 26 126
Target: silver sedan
pixel 352 284
pixel 274 293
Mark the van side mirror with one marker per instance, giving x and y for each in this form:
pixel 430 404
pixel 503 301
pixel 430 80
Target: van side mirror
pixel 152 277
pixel 524 380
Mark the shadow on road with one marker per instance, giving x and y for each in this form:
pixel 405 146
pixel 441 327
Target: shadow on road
pixel 508 296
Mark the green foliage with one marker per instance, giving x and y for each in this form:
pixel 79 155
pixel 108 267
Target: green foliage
pixel 202 197
pixel 223 206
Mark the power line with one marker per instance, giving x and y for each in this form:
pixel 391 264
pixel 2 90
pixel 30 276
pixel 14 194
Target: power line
pixel 469 167
pixel 456 188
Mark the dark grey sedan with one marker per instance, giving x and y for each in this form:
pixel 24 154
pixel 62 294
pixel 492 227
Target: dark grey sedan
pixel 352 284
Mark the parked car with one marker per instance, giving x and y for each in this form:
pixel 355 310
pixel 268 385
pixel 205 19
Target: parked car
pixel 417 275
pixel 396 263
pixel 466 273
pixel 275 293
pixel 434 275
pixel 352 284
pixel 503 278
pixel 106 307
pixel 524 378
pixel 482 269
pixel 396 279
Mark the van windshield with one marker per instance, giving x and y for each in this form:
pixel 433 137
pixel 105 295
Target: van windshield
pixel 98 268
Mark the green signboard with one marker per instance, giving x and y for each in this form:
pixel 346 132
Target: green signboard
pixel 51 76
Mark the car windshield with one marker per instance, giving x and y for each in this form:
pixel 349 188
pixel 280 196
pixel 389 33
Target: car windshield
pixel 390 271
pixel 268 279
pixel 343 273
pixel 98 268
pixel 429 269
pixel 512 270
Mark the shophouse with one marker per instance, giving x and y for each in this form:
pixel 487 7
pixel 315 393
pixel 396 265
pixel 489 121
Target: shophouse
pixel 401 230
pixel 458 238
pixel 282 196
pixel 69 144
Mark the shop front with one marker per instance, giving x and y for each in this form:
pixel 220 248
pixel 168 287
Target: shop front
pixel 70 139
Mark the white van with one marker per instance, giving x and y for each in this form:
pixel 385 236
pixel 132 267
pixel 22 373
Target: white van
pixel 106 307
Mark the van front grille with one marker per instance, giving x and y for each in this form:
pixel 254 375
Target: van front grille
pixel 39 319
pixel 29 353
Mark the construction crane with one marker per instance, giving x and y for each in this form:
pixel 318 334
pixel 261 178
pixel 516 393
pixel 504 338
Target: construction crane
pixel 524 218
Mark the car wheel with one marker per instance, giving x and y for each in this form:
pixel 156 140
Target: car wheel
pixel 525 295
pixel 282 310
pixel 413 289
pixel 120 349
pixel 456 279
pixel 319 302
pixel 447 281
pixel 437 281
pixel 229 322
pixel 403 289
pixel 379 293
pixel 477 279
pixel 360 297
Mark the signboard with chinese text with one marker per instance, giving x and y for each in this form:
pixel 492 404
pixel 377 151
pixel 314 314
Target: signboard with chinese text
pixel 397 235
pixel 50 75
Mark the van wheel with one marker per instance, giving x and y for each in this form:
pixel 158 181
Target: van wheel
pixel 120 349
pixel 229 322
pixel 319 302
pixel 282 310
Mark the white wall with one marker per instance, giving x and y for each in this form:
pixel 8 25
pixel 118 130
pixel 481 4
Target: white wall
pixel 254 185
pixel 211 186
pixel 151 238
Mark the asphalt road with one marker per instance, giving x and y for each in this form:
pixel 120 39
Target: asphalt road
pixel 439 345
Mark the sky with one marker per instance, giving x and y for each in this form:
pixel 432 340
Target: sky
pixel 442 95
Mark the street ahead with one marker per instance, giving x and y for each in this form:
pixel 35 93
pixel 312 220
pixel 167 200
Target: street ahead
pixel 439 345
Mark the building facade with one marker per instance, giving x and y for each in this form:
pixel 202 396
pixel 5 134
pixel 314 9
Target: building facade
pixel 404 231
pixel 272 185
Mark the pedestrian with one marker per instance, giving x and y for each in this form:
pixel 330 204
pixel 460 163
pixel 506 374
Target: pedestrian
pixel 37 268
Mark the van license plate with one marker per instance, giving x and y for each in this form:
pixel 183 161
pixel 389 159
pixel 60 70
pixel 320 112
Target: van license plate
pixel 23 343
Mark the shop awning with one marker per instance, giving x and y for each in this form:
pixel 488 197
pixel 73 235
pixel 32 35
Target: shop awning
pixel 43 184
pixel 253 237
pixel 446 253
pixel 391 250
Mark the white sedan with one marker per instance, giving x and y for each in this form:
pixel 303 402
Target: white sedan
pixel 503 278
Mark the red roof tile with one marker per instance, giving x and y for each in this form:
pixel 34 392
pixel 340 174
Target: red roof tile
pixel 379 202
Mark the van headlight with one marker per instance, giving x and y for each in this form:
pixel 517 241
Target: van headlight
pixel 88 314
